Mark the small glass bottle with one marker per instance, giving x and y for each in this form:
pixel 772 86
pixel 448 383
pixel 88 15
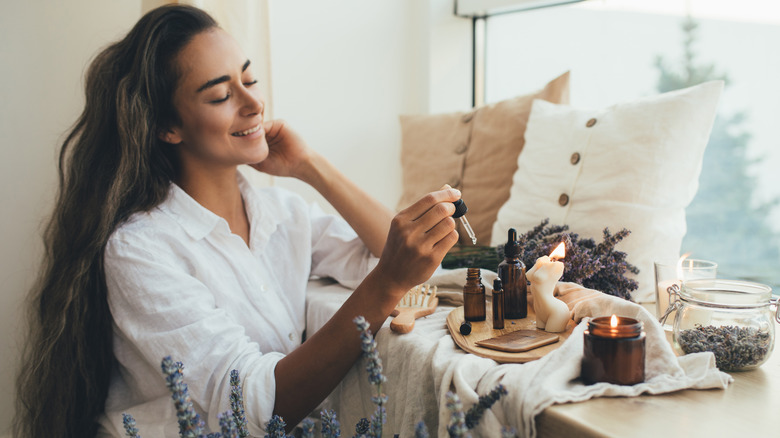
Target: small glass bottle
pixel 473 296
pixel 498 304
pixel 511 271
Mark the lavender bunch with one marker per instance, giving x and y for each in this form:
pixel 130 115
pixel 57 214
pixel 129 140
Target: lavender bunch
pixel 593 265
pixel 307 428
pixel 129 422
pixel 421 430
pixel 375 376
pixel 330 425
pixel 227 425
pixel 190 424
pixel 362 427
pixel 275 428
pixel 457 426
pixel 485 402
pixel 237 404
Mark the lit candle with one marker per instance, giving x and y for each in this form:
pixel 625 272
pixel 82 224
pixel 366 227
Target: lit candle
pixel 552 314
pixel 614 351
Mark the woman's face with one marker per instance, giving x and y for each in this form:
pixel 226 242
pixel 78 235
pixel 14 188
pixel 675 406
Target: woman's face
pixel 219 105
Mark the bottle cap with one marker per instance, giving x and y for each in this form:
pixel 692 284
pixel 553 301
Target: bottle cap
pixel 465 328
pixel 460 208
pixel 512 247
pixel 497 286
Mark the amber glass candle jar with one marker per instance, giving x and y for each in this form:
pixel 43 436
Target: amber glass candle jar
pixel 614 351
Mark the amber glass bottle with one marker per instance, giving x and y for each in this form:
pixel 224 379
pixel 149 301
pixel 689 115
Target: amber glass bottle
pixel 474 296
pixel 512 274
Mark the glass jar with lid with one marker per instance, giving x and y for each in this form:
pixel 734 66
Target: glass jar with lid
pixel 733 319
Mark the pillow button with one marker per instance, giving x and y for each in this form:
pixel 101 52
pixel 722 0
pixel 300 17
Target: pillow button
pixel 461 149
pixel 563 199
pixel 575 158
pixel 590 122
pixel 467 117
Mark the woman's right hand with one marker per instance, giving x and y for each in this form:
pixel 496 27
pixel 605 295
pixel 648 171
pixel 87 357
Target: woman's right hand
pixel 419 238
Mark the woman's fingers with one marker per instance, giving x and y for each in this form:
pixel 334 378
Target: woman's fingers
pixel 419 208
pixel 440 231
pixel 435 215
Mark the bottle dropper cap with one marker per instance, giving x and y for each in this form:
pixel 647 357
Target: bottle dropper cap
pixel 512 247
pixel 497 286
pixel 460 213
pixel 460 208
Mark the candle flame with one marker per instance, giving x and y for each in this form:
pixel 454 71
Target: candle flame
pixel 613 322
pixel 559 252
pixel 680 272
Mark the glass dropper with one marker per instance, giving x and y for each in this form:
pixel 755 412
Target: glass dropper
pixel 460 213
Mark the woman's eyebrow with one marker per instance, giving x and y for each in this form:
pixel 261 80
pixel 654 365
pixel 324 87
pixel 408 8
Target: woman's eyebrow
pixel 224 78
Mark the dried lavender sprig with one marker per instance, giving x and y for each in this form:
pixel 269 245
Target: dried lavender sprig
pixel 421 430
pixel 129 422
pixel 190 424
pixel 237 404
pixel 485 402
pixel 331 428
pixel 377 421
pixel 368 345
pixel 457 426
pixel 274 428
pixel 307 428
pixel 362 427
pixel 227 424
pixel 375 376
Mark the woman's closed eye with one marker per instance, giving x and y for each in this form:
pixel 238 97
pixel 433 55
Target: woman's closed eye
pixel 227 96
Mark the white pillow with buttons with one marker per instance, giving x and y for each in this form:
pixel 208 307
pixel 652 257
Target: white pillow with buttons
pixel 633 165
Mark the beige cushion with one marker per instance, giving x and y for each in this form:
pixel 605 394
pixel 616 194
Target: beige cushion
pixel 637 167
pixel 474 151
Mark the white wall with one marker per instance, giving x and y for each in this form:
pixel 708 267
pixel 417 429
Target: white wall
pixel 45 46
pixel 341 73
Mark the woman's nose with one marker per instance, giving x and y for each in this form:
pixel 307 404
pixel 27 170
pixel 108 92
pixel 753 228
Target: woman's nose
pixel 253 103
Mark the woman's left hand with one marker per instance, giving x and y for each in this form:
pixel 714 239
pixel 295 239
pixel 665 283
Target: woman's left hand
pixel 287 151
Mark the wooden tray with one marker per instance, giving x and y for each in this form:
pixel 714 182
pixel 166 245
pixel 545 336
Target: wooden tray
pixel 484 329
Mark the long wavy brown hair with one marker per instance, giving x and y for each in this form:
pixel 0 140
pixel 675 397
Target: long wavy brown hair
pixel 112 164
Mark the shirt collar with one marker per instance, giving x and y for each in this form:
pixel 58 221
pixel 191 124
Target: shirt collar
pixel 198 221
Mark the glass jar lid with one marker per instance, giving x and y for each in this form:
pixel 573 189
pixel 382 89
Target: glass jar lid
pixel 715 292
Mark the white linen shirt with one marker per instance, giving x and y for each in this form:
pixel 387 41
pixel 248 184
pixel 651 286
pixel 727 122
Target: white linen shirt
pixel 180 284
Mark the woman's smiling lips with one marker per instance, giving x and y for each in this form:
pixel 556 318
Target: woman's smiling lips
pixel 248 133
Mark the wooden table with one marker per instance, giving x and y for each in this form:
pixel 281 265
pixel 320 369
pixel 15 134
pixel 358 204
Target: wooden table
pixel 749 407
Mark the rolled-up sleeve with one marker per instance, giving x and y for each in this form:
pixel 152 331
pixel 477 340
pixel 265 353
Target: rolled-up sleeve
pixel 160 309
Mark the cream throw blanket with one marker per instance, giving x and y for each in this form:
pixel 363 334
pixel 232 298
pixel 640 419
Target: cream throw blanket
pixel 423 365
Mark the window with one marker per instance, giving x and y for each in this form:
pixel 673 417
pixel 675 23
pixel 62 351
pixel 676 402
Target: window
pixel 619 50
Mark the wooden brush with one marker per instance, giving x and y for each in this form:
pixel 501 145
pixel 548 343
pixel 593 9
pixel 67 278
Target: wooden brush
pixel 419 301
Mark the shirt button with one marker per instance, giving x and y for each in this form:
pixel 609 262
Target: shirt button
pixel 461 149
pixel 291 336
pixel 590 123
pixel 575 158
pixel 467 117
pixel 563 199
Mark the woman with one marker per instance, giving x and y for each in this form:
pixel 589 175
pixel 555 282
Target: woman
pixel 157 246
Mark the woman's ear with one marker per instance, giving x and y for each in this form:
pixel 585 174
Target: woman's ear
pixel 169 136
